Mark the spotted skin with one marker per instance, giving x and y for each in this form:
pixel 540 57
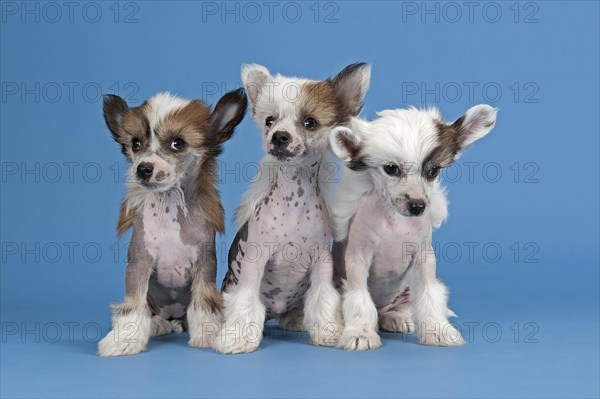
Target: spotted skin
pixel 172 244
pixel 292 226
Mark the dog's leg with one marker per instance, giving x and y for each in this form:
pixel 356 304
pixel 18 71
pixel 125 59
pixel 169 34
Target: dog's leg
pixel 131 329
pixel 131 322
pixel 204 311
pixel 293 320
pixel 360 313
pixel 397 317
pixel 204 315
pixel 244 316
pixel 322 316
pixel 430 305
pixel 243 312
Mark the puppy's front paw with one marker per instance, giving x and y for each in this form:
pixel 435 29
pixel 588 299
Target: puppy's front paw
pixel 359 340
pixel 230 342
pixel 439 334
pixel 203 328
pixel 200 341
pixel 111 345
pixel 397 322
pixel 203 338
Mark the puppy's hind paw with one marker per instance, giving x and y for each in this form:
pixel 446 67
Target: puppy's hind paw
pixel 359 340
pixel 327 336
pixel 176 326
pixel 396 322
pixel 162 326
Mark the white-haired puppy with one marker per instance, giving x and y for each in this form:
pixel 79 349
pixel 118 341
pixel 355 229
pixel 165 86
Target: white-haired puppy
pixel 383 216
pixel 280 264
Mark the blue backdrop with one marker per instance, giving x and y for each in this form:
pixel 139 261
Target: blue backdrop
pixel 519 251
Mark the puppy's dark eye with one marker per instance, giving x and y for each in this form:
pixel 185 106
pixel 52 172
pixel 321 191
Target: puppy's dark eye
pixel 136 145
pixel 392 169
pixel 269 121
pixel 310 123
pixel 433 172
pixel 177 145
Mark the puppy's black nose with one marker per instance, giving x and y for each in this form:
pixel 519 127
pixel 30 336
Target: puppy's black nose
pixel 280 139
pixel 416 207
pixel 144 170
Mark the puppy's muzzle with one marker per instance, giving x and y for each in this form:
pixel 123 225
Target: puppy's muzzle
pixel 280 139
pixel 416 207
pixel 144 171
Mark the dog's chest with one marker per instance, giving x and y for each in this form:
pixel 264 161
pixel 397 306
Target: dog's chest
pixel 169 239
pixel 292 212
pixel 394 242
pixel 292 223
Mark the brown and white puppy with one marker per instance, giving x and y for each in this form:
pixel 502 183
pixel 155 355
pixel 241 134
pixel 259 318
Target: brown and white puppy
pixel 279 263
pixel 173 205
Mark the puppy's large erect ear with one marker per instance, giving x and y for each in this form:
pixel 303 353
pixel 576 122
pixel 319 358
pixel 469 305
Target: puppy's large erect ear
pixel 254 77
pixel 351 85
pixel 227 114
pixel 346 145
pixel 114 110
pixel 474 124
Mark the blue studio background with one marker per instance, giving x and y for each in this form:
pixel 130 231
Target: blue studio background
pixel 519 251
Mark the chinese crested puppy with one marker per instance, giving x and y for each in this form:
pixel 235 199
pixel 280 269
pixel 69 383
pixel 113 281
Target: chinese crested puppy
pixel 173 205
pixel 383 216
pixel 280 264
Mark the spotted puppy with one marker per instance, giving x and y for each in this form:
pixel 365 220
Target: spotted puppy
pixel 280 263
pixel 174 208
pixel 384 213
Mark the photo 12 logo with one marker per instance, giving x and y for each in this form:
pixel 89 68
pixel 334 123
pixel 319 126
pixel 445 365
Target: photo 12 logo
pixel 233 172
pixel 463 253
pixel 64 92
pixel 252 12
pixel 36 332
pixel 490 92
pixel 53 12
pixel 453 12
